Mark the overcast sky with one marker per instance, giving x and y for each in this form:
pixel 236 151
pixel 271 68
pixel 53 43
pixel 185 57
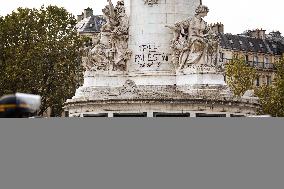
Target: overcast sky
pixel 237 15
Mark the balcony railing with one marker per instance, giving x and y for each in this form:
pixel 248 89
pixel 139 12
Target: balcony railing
pixel 257 65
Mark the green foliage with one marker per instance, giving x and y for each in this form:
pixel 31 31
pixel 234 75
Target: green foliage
pixel 240 76
pixel 40 54
pixel 272 97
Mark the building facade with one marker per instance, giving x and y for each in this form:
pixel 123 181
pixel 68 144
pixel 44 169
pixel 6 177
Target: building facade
pixel 260 50
pixel 89 25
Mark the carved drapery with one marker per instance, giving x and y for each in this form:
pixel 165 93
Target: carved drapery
pixel 194 42
pixel 111 52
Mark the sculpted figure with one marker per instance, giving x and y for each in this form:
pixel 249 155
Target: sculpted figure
pixel 120 62
pixel 110 17
pixel 194 42
pixel 176 29
pixel 99 57
pixel 111 53
pixel 122 28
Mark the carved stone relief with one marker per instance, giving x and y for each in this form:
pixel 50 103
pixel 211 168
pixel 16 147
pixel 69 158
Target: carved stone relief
pixel 194 42
pixel 110 52
pixel 129 87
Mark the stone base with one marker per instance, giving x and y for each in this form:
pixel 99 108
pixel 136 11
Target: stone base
pixel 150 101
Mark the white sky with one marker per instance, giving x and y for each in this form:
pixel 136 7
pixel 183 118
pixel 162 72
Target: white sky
pixel 237 15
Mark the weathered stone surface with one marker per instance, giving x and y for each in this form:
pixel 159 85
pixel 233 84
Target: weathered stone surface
pixel 149 39
pixel 194 42
pixel 157 58
pixel 111 52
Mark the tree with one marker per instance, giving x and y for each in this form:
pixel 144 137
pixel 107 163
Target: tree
pixel 272 97
pixel 240 76
pixel 40 54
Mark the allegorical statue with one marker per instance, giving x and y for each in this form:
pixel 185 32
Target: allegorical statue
pixel 194 42
pixel 111 52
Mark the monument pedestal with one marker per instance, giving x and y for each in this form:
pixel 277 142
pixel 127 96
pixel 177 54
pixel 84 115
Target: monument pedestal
pixel 157 59
pixel 158 101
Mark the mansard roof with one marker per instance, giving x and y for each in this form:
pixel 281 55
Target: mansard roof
pixel 91 24
pixel 250 44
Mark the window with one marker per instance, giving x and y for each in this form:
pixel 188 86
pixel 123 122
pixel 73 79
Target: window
pixel 66 113
pixel 255 61
pixel 96 115
pixel 210 115
pixel 257 82
pixel 233 115
pixel 255 58
pixel 162 114
pixel 268 80
pixel 221 57
pixel 266 62
pixel 130 114
pixel 246 58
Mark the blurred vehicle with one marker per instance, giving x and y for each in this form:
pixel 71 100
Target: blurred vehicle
pixel 19 105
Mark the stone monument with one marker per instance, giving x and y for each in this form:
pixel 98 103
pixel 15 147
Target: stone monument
pixel 156 58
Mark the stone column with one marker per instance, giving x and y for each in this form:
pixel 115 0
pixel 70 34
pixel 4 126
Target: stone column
pixel 150 39
pixel 150 114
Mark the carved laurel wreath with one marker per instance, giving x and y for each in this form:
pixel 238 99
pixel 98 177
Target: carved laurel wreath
pixel 151 2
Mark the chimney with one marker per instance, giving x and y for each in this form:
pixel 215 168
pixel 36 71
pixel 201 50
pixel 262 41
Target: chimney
pixel 218 27
pixel 88 12
pixel 258 33
pixel 80 17
pixel 275 34
pixel 261 34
